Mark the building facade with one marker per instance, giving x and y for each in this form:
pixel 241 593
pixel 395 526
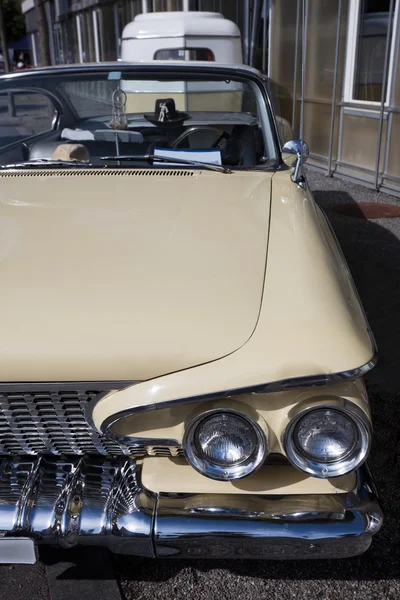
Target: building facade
pixel 351 96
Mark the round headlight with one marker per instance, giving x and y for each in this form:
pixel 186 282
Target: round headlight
pixel 325 435
pixel 225 445
pixel 327 441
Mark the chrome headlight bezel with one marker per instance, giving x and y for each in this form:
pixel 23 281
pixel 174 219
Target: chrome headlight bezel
pixel 217 471
pixel 342 466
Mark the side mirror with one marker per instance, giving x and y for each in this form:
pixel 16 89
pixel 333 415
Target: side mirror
pixel 296 147
pixel 301 150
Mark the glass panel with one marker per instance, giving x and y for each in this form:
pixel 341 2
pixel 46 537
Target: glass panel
pixel 370 55
pixel 359 140
pixel 87 37
pixel 58 51
pixel 124 14
pixel 70 41
pixel 282 49
pixel 184 54
pixel 164 5
pixel 317 123
pixel 135 8
pixel 207 5
pixel 23 114
pixel 108 47
pixel 396 77
pixel 321 47
pixel 92 97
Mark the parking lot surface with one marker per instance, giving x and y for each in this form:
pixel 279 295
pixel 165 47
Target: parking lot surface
pixel 372 249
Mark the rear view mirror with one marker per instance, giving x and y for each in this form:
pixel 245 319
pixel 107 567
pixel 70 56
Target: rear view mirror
pixel 117 136
pixel 120 135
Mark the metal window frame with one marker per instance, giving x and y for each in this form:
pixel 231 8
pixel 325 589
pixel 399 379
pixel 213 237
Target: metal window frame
pixel 79 36
pixel 388 60
pixel 96 35
pixel 34 50
pixel 334 90
pixel 351 53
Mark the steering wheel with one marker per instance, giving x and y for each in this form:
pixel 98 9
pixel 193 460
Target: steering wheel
pixel 195 128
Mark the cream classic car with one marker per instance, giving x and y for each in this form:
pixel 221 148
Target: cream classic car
pixel 182 348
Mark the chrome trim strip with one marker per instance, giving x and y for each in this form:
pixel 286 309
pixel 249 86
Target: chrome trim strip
pixel 89 409
pixel 171 443
pixel 39 386
pixel 102 502
pixel 266 388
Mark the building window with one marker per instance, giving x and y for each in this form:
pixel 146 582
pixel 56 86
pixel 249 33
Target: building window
pixel 69 41
pixel 369 32
pixel 107 33
pixel 84 22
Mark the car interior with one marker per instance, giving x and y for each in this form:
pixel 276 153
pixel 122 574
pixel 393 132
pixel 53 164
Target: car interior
pixel 240 144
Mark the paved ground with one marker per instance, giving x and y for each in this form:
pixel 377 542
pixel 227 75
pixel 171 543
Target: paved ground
pixel 372 249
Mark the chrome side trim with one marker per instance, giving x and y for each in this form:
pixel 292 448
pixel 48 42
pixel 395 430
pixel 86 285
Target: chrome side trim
pixel 92 501
pixel 264 388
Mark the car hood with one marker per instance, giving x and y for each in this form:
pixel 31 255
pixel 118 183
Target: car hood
pixel 128 275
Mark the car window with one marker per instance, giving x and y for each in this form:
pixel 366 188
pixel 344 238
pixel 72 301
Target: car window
pixel 176 109
pixel 185 54
pixel 24 114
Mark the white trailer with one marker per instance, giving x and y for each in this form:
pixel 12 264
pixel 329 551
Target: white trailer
pixel 200 36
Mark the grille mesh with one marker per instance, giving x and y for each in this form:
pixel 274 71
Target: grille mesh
pixel 54 423
pixel 105 172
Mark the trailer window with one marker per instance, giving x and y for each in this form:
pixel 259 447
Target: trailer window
pixel 185 54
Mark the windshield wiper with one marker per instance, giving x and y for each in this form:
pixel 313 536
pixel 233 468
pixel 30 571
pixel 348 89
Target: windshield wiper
pixel 152 158
pixel 48 162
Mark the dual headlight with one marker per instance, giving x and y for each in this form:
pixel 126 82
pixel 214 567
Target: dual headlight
pixel 225 445
pixel 324 441
pixel 328 441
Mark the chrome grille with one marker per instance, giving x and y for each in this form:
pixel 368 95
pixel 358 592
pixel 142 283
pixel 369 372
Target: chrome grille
pixel 53 422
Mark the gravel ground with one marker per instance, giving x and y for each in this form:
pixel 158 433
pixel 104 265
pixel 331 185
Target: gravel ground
pixel 372 249
pixel 23 582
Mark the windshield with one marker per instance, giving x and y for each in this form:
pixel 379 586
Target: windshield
pixel 110 113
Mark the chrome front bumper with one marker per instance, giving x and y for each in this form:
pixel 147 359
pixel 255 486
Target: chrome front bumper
pixel 95 501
